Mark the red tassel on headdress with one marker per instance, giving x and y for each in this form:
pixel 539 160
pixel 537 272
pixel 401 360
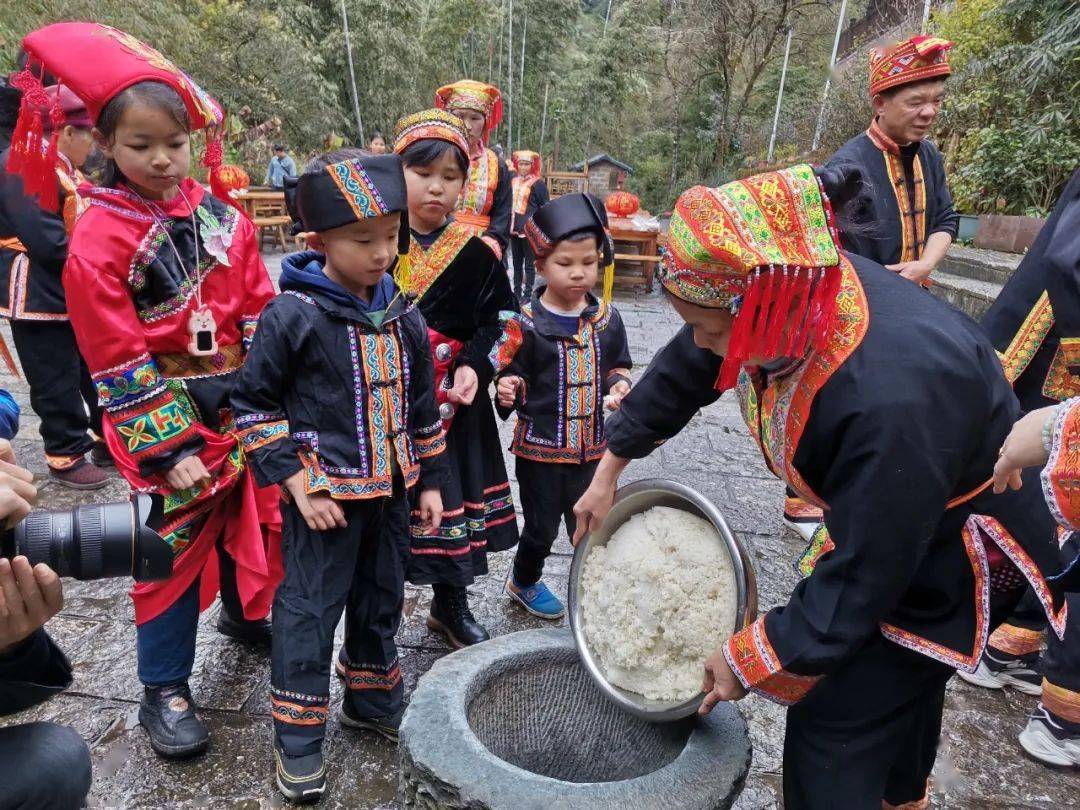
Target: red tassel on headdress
pixel 779 315
pixel 759 337
pixel 741 332
pixel 801 295
pixel 213 157
pixel 815 285
pixel 828 308
pixel 34 162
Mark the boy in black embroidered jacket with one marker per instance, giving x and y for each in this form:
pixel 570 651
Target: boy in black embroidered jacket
pixel 562 361
pixel 336 404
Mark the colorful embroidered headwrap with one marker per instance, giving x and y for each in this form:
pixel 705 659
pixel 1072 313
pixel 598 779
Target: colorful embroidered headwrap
pixel 470 95
pixel 567 215
pixel 763 247
pixel 525 154
pixel 430 124
pixel 913 60
pixel 96 62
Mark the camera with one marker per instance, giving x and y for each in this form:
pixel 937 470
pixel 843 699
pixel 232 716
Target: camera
pixel 94 541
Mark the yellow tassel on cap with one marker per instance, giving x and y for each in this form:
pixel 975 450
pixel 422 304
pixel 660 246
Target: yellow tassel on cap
pixel 609 282
pixel 403 272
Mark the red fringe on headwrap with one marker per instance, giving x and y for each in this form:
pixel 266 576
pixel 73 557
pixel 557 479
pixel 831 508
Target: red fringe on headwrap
pixel 741 332
pixel 35 166
pixel 801 286
pixel 779 316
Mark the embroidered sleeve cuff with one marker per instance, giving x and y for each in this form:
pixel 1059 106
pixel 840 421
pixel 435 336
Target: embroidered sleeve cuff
pixel 155 427
pixel 754 662
pixel 1061 475
pixel 269 446
pixel 125 386
pixel 508 343
pixel 429 443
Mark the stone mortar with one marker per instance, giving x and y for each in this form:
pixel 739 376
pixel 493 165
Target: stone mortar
pixel 516 723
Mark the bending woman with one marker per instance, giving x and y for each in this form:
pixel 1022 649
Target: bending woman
pixel 883 406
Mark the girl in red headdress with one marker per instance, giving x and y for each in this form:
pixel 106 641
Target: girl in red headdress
pixel 530 192
pixel 164 286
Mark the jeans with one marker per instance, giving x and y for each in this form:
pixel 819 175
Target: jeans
pixel 45 766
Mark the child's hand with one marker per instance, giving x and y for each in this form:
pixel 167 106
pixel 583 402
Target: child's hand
pixel 507 390
pixel 319 510
pixel 188 473
pixel 615 396
pixel 430 510
pixel 465 385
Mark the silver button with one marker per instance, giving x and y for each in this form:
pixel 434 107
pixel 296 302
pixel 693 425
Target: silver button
pixel 443 352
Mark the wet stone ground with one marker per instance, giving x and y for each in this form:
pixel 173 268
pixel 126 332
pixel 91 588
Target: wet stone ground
pixel 980 763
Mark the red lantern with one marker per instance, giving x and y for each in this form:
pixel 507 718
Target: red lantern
pixel 233 178
pixel 622 203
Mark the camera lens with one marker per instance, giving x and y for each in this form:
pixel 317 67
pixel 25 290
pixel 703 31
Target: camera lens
pixel 94 541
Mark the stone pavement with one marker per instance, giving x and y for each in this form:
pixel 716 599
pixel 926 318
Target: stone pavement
pixel 980 764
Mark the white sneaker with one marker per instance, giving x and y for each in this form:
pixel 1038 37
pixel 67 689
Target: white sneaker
pixel 994 674
pixel 1048 741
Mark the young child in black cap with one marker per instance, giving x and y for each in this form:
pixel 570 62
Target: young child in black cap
pixel 336 403
pixel 562 362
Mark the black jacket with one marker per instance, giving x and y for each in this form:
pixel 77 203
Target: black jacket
pixel 881 237
pixel 560 410
pixel 30 272
pixel 34 671
pixel 1035 321
pixel 325 390
pixel 904 417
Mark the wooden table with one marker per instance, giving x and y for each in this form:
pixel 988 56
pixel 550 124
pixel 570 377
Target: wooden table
pixel 267 211
pixel 647 255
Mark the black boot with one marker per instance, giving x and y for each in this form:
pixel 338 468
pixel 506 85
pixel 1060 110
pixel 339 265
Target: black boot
pixel 450 615
pixel 254 631
pixel 168 715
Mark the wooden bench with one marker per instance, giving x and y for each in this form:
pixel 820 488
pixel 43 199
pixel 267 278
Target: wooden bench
pixel 274 227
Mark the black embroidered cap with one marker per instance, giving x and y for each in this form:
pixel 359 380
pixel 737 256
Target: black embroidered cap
pixel 352 190
pixel 570 214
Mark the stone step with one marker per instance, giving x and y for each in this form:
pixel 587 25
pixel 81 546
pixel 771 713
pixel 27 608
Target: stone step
pixel 979 265
pixel 973 296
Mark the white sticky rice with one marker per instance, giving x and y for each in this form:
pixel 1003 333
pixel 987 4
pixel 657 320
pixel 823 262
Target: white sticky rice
pixel 657 600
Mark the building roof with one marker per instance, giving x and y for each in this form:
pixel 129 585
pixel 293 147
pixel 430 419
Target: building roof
pixel 603 157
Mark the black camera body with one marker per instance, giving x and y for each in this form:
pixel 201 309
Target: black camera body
pixel 94 541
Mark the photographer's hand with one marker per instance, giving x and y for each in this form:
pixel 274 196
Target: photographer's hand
pixel 29 597
pixel 17 491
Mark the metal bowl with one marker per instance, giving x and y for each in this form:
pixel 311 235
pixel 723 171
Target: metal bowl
pixel 631 500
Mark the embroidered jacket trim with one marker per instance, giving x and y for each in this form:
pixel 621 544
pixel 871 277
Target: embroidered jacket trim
pixel 754 661
pixel 1061 475
pixel 427 265
pixel 1061 382
pixel 1028 338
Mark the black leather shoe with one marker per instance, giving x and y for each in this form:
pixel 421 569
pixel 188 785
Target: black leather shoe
pixel 168 715
pixel 301 779
pixel 450 615
pixel 386 726
pixel 257 632
pixel 101 457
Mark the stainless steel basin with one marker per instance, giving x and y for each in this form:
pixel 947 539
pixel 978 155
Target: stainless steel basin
pixel 631 500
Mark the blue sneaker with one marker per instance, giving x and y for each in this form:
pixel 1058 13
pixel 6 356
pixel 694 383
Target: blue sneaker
pixel 536 599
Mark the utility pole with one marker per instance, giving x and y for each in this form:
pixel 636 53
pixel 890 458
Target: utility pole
pixel 925 15
pixel 510 77
pixel 352 74
pixel 828 79
pixel 521 77
pixel 779 95
pixel 607 17
pixel 543 118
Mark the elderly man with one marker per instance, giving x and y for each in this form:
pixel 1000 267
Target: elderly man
pixel 909 222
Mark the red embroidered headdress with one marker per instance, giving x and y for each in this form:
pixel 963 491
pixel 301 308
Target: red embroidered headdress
pixel 96 62
pixel 912 60
pixel 525 154
pixel 764 247
pixel 428 124
pixel 469 95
